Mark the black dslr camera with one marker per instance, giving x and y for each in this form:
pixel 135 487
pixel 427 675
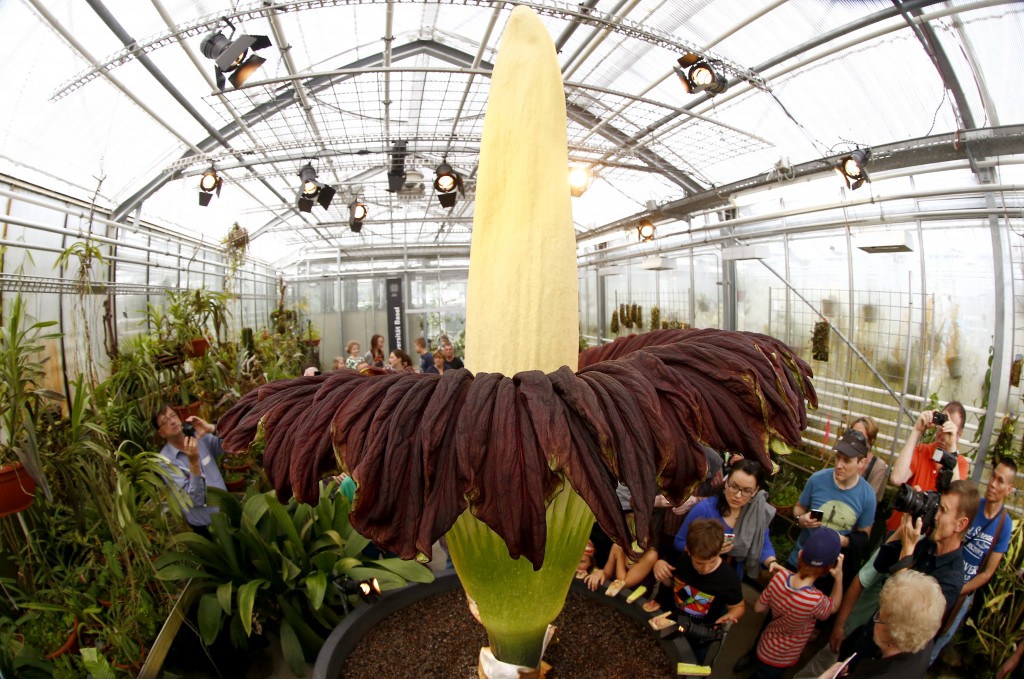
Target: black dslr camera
pixel 920 505
pixel 939 419
pixel 700 632
pixel 188 430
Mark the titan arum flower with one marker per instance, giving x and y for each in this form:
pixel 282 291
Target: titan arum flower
pixel 516 461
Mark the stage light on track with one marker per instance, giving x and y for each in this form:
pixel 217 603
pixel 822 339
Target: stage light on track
pixel 313 191
pixel 579 180
pixel 209 184
pixel 396 169
pixel 645 230
pixel 698 75
pixel 852 168
pixel 356 215
pixel 447 183
pixel 229 55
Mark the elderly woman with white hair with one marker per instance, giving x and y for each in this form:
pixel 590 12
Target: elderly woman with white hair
pixel 908 618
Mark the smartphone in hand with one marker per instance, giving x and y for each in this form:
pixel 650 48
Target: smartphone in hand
pixel 817 514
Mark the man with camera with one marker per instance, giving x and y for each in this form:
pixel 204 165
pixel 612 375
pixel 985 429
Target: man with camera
pixel 944 519
pixel 192 448
pixel 921 464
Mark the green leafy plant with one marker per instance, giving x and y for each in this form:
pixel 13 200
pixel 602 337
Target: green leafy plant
pixel 21 372
pixel 999 627
pixel 278 565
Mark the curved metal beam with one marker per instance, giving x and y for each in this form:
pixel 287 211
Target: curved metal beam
pixel 286 98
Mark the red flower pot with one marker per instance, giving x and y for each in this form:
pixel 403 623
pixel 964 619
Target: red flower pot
pixel 197 347
pixel 17 488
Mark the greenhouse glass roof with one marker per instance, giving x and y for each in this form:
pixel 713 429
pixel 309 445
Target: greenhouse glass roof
pixel 114 101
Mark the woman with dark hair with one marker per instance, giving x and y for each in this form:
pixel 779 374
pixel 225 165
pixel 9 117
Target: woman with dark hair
pixel 400 362
pixel 741 505
pixel 375 356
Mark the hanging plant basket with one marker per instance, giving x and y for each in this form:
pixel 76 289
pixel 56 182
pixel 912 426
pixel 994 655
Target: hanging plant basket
pixel 311 342
pixel 955 366
pixel 1015 370
pixel 819 341
pixel 870 313
pixel 828 306
pixel 17 489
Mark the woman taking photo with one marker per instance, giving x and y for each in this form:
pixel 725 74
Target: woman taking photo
pixel 741 505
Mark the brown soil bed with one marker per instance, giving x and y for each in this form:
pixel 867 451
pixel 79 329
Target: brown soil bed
pixel 437 637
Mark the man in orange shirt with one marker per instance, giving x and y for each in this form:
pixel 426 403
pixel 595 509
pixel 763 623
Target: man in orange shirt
pixel 917 463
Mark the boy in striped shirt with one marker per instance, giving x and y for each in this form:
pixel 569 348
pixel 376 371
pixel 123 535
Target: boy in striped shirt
pixel 796 603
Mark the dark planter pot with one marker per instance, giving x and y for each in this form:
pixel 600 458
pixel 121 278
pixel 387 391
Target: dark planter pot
pixel 235 486
pixel 17 489
pixel 357 624
pixel 311 342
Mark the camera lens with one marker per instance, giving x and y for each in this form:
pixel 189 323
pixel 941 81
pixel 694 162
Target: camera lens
pixel 188 429
pixel 909 500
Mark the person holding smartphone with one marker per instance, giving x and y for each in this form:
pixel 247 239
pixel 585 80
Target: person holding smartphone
pixel 840 499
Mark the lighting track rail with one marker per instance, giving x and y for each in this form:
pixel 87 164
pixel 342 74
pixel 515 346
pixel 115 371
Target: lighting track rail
pixel 260 8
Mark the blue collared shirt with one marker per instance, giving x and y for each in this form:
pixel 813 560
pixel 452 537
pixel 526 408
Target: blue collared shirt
pixel 199 514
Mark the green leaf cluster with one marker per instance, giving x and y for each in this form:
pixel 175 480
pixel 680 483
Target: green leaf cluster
pixel 267 563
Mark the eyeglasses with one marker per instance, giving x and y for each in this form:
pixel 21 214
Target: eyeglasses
pixel 877 620
pixel 739 490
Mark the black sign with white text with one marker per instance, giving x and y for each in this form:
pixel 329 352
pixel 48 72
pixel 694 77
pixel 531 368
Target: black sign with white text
pixel 396 312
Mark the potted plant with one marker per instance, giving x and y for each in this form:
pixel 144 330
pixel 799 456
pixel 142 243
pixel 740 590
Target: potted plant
pixel 21 371
pixel 296 556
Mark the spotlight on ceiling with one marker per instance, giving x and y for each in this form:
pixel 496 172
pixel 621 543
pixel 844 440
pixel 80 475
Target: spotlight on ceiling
pixel 356 215
pixel 396 170
pixel 579 180
pixel 209 184
pixel 312 190
pixel 697 75
pixel 229 56
pixel 645 229
pixel 852 168
pixel 447 182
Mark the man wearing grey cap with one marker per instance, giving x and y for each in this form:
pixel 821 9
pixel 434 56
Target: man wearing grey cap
pixel 841 499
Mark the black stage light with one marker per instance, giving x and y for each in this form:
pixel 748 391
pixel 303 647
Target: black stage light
pixel 229 55
pixel 447 183
pixel 697 75
pixel 852 168
pixel 209 184
pixel 356 215
pixel 396 170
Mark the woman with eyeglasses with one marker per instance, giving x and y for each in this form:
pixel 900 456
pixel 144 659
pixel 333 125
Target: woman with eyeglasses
pixel 741 505
pixel 909 614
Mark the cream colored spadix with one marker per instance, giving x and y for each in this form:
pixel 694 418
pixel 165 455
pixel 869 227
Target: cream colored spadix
pixel 522 310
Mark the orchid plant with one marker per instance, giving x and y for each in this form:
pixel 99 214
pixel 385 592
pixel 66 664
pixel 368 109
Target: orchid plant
pixel 516 461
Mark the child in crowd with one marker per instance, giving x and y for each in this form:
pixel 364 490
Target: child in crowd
pixel 622 567
pixel 586 561
pixel 795 603
pixel 354 359
pixel 702 586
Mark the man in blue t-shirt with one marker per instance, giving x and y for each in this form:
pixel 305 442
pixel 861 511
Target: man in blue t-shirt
pixel 846 503
pixel 989 534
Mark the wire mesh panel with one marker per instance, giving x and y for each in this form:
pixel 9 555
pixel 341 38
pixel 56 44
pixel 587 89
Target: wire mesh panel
pixel 886 328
